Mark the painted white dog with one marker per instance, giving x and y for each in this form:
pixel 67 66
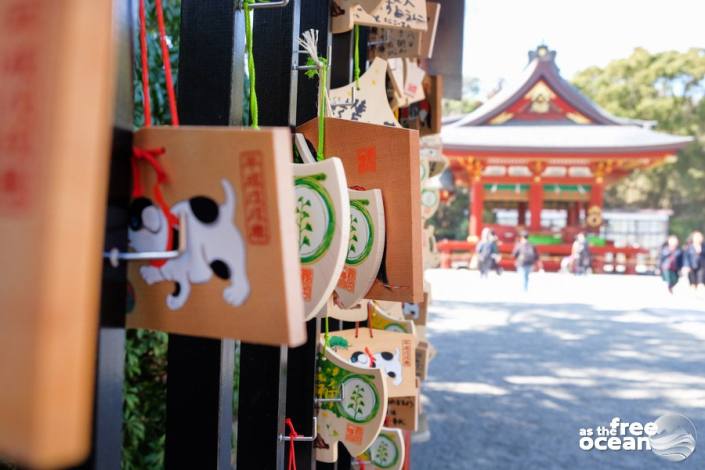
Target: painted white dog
pixel 213 246
pixel 388 362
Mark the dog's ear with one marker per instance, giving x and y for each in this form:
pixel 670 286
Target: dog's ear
pixel 137 206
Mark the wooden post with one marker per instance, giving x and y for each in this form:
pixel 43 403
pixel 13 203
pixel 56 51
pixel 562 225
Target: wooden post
pixel 200 371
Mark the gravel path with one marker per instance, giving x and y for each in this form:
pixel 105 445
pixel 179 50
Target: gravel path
pixel 517 375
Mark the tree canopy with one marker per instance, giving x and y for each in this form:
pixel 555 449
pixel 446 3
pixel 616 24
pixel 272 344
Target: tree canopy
pixel 666 87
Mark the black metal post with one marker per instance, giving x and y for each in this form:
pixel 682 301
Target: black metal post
pixel 200 371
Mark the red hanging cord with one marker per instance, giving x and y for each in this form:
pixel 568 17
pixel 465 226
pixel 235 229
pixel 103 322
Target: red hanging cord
pixel 292 448
pixel 150 156
pixel 167 63
pixel 371 356
pixel 369 318
pixel 145 67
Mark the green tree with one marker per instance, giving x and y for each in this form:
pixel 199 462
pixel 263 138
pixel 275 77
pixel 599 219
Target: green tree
pixel 666 87
pixel 451 219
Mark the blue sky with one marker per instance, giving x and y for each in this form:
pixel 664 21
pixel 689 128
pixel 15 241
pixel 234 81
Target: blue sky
pixel 499 33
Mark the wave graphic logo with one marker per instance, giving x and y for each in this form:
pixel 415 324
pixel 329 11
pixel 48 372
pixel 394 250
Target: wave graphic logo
pixel 674 439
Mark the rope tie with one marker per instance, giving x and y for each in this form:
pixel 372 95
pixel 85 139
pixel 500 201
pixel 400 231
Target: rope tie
pixel 309 43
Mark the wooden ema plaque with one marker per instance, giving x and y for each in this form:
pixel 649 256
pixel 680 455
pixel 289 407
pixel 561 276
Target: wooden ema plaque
pixel 386 452
pixel 390 351
pixel 385 158
pixel 398 14
pixel 366 247
pixel 56 95
pixel 323 217
pixel 356 419
pixel 239 277
pixel 368 103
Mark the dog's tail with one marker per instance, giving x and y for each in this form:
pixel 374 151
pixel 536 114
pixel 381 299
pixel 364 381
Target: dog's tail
pixel 228 207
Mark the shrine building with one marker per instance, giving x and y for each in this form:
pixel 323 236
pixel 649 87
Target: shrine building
pixel 541 143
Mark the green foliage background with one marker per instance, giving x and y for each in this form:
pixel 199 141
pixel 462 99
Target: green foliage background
pixel 666 87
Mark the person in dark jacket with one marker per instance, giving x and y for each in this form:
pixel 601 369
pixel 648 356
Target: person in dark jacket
pixel 694 260
pixel 525 257
pixel 486 250
pixel 671 262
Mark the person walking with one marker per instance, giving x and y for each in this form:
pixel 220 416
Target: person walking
pixel 486 249
pixel 580 255
pixel 694 260
pixel 525 257
pixel 671 262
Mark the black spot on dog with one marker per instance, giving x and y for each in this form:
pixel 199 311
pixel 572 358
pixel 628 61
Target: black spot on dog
pixel 205 209
pixel 177 289
pixel 220 269
pixel 355 356
pixel 387 356
pixel 135 210
pixel 392 374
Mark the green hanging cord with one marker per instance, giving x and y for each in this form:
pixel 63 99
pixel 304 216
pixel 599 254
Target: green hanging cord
pixel 322 105
pixel 356 57
pixel 254 111
pixel 326 334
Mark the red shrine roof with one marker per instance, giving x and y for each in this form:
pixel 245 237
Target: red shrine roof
pixel 542 112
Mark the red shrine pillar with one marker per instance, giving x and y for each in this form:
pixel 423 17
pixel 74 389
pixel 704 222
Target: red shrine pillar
pixel 573 214
pixel 477 196
pixel 536 196
pixel 521 214
pixel 535 205
pixel 597 194
pixel 477 202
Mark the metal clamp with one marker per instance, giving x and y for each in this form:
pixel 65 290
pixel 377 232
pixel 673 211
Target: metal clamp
pixel 263 5
pixel 330 400
pixel 360 463
pixel 284 437
pixel 115 255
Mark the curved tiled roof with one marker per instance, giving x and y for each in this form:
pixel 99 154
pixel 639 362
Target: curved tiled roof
pixel 604 133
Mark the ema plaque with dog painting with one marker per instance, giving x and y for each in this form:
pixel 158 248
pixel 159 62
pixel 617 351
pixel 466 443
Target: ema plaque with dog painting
pixel 392 352
pixel 323 220
pixel 385 158
pixel 56 97
pixel 366 247
pixel 238 277
pixel 381 320
pixel 366 103
pixel 397 14
pixel 356 312
pixel 386 452
pixel 356 418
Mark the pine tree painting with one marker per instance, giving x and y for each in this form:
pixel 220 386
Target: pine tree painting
pixel 302 218
pixel 356 404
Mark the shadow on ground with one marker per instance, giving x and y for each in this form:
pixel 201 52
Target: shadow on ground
pixel 513 383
